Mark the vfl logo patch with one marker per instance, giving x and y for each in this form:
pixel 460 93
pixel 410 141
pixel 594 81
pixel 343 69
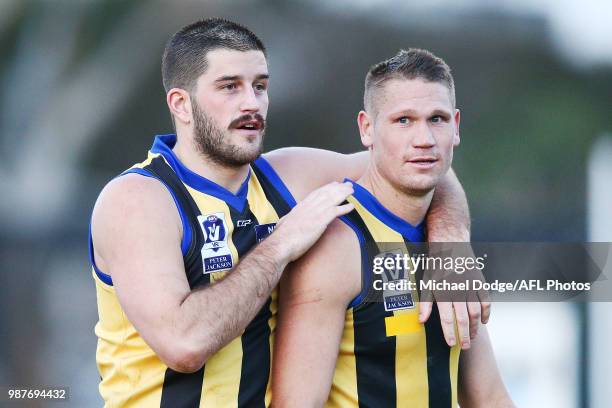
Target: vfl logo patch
pixel 263 230
pixel 216 255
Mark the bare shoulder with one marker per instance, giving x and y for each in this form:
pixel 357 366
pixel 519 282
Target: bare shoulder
pixel 329 271
pixel 130 196
pixel 132 207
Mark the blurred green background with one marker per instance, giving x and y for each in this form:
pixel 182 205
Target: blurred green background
pixel 81 99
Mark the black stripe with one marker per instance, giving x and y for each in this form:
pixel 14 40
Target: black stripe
pixel 182 390
pixel 179 389
pixel 193 258
pixel 256 337
pixel 274 197
pixel 438 360
pixel 438 352
pixel 374 351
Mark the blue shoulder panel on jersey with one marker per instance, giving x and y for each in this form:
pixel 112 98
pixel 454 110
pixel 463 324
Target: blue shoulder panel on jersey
pixel 414 234
pixel 103 277
pixel 163 145
pixel 365 281
pixel 187 233
pixel 274 178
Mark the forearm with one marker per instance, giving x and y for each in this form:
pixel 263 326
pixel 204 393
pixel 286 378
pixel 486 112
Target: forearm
pixel 359 163
pixel 448 219
pixel 480 383
pixel 211 317
pixel 499 399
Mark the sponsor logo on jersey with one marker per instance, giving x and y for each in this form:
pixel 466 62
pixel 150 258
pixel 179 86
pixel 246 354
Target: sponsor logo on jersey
pixel 243 223
pixel 396 299
pixel 263 230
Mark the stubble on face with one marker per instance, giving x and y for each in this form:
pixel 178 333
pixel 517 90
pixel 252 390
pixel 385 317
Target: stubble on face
pixel 214 143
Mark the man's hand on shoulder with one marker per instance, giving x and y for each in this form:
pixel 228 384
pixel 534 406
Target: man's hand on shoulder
pixel 307 221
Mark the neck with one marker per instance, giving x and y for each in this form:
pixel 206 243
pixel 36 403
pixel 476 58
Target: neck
pixel 409 206
pixel 228 177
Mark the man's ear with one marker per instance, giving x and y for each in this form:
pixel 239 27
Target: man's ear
pixel 366 126
pixel 456 138
pixel 179 103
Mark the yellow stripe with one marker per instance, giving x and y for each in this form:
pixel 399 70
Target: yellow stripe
pixel 453 367
pixel 344 384
pixel 402 324
pixel 272 325
pixel 150 157
pixel 259 204
pixel 132 374
pixel 222 377
pixel 380 232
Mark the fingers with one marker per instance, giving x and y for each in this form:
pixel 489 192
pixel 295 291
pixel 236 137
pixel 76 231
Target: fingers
pixel 424 311
pixel 474 316
pixel 447 319
pixel 344 209
pixel 425 305
pixel 463 324
pixel 307 221
pixel 485 306
pixel 333 193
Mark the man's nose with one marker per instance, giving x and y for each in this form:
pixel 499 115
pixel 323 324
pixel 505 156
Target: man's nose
pixel 249 101
pixel 423 137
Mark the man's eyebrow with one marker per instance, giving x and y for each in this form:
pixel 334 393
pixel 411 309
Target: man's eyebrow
pixel 228 78
pixel 239 77
pixel 406 112
pixel 441 112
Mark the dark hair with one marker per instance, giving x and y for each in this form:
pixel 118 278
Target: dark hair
pixel 184 58
pixel 411 64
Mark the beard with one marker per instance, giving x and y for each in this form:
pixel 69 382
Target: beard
pixel 213 143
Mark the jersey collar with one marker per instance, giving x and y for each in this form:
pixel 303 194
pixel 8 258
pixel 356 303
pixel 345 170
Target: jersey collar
pixel 163 145
pixel 371 203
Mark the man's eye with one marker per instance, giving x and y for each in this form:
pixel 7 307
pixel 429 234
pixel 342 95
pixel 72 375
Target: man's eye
pixel 229 87
pixel 437 119
pixel 260 87
pixel 404 120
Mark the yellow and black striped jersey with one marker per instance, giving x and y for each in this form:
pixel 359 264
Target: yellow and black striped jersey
pixel 219 228
pixel 386 357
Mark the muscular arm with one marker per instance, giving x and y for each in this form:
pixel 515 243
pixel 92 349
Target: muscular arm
pixel 304 169
pixel 448 218
pixel 137 232
pixel 312 306
pixel 480 384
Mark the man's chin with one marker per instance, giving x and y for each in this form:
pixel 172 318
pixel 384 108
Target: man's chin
pixel 419 185
pixel 247 154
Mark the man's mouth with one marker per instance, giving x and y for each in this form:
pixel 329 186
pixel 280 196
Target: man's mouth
pixel 250 125
pixel 248 122
pixel 423 161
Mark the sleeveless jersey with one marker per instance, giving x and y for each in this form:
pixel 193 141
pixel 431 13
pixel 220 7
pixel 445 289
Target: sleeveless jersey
pixel 219 229
pixel 386 357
